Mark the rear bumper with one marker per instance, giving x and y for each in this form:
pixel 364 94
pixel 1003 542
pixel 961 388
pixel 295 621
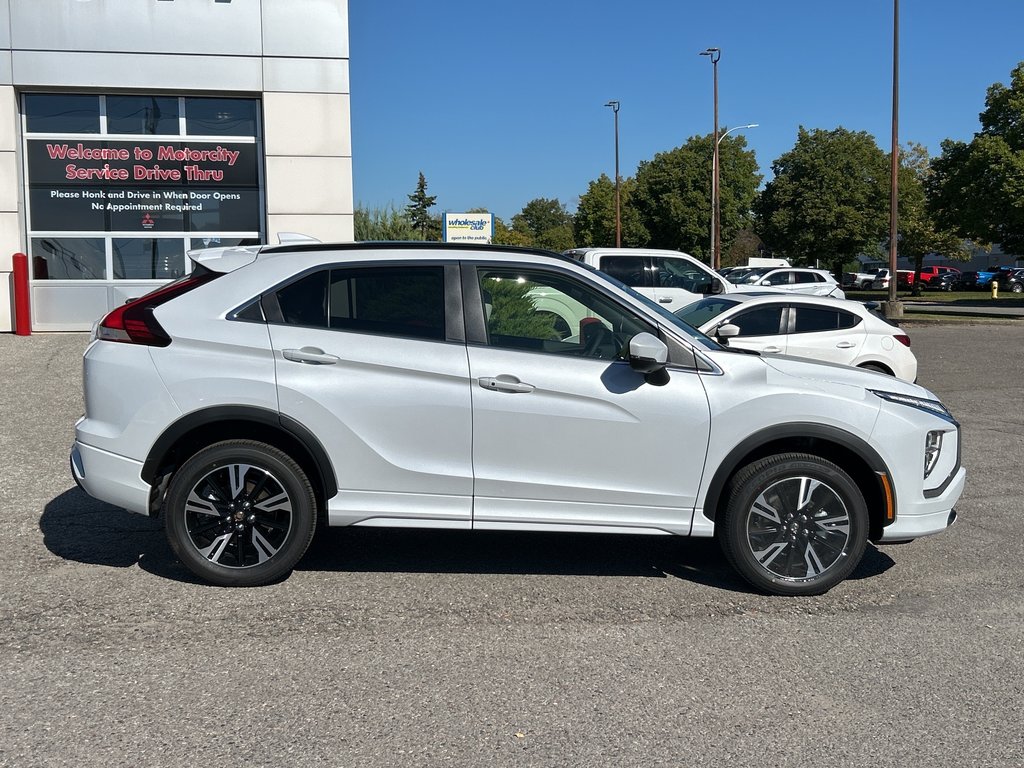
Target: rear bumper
pixel 111 478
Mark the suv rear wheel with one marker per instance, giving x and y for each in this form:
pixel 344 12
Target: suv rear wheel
pixel 795 524
pixel 240 513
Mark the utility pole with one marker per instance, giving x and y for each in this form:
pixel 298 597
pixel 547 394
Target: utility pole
pixel 894 307
pixel 618 209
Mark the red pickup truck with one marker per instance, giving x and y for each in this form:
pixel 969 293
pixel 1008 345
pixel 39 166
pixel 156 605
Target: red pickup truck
pixel 927 274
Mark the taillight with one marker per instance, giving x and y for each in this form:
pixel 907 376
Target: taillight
pixel 902 338
pixel 134 323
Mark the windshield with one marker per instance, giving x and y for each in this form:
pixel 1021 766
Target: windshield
pixel 703 310
pixel 688 331
pixel 750 275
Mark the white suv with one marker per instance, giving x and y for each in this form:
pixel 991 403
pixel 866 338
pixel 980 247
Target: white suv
pixel 811 282
pixel 393 385
pixel 672 278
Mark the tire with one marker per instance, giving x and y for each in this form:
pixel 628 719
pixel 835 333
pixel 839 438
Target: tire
pixel 240 513
pixel 876 368
pixel 763 533
pixel 1016 288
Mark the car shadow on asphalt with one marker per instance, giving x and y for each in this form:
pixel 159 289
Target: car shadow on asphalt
pixel 79 528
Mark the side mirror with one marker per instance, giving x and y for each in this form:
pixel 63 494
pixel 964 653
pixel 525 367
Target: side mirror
pixel 765 282
pixel 649 355
pixel 713 288
pixel 727 331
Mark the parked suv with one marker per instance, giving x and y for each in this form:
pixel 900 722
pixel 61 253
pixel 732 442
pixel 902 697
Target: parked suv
pixel 810 282
pixel 274 388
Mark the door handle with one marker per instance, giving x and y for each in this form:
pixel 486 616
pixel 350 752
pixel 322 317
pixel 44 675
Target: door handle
pixel 772 349
pixel 845 345
pixel 504 383
pixel 664 299
pixel 312 355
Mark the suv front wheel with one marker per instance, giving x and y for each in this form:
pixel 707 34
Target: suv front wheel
pixel 795 524
pixel 240 513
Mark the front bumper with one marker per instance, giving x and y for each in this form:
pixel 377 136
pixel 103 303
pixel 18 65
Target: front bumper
pixel 111 478
pixel 927 516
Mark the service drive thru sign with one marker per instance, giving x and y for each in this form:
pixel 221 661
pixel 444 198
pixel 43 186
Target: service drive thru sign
pixel 468 227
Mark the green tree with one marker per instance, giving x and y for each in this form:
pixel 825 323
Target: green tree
pixel 418 209
pixel 918 232
pixel 387 223
pixel 594 222
pixel 547 223
pixel 977 188
pixel 673 194
pixel 512 311
pixel 505 235
pixel 829 198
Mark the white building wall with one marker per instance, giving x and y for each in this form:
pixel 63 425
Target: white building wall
pixel 294 56
pixel 11 222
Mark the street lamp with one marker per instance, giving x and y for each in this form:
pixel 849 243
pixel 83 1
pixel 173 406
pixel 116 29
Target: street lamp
pixel 714 54
pixel 716 211
pixel 894 308
pixel 618 211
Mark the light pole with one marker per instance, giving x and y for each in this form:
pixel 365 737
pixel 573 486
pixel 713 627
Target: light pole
pixel 714 54
pixel 716 208
pixel 894 308
pixel 618 210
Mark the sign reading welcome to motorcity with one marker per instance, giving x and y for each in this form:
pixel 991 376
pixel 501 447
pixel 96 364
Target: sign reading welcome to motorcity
pixel 468 227
pixel 165 186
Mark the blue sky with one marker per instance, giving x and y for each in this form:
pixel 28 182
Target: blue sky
pixel 501 103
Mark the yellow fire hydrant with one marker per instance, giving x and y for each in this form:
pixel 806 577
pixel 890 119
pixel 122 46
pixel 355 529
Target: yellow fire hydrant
pixel 995 289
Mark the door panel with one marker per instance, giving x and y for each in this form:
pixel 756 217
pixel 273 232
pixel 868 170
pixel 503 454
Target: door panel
pixel 565 433
pixel 393 414
pixel 589 444
pixel 369 359
pixel 818 334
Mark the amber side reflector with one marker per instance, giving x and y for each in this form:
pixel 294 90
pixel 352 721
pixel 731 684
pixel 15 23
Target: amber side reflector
pixel 890 507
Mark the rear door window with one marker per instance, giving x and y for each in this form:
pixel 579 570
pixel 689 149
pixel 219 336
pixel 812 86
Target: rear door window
pixel 396 301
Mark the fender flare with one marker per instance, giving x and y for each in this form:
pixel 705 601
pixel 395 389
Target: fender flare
pixel 251 414
pixel 795 430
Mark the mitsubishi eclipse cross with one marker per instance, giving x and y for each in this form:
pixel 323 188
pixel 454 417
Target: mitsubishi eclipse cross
pixel 275 389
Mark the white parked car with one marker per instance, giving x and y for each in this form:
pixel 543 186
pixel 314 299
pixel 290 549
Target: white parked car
pixel 421 385
pixel 810 282
pixel 818 327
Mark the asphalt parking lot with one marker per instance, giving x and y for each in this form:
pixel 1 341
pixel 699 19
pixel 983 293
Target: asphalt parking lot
pixel 415 648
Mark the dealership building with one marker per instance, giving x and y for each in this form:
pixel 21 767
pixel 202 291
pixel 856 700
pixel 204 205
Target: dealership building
pixel 132 131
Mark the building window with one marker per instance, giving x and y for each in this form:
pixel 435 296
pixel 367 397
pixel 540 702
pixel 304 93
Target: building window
pixel 68 258
pixel 149 115
pixel 120 186
pixel 220 117
pixel 139 258
pixel 62 113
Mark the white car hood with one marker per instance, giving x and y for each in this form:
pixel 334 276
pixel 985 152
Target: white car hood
pixel 833 373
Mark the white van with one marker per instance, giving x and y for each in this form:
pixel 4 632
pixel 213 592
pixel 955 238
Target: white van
pixel 672 278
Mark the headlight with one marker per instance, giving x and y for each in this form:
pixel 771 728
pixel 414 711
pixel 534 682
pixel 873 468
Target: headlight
pixel 932 449
pixel 933 407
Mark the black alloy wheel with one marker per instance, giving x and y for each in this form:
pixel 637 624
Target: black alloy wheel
pixel 240 513
pixel 795 524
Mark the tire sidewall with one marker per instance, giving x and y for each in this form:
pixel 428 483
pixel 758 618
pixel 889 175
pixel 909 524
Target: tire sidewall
pixel 753 480
pixel 291 478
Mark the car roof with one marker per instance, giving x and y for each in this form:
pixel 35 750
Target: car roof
pixel 768 297
pixel 310 253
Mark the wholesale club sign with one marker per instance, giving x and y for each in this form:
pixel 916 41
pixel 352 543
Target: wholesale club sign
pixel 159 185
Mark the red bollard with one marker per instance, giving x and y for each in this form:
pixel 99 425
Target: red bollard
pixel 22 311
